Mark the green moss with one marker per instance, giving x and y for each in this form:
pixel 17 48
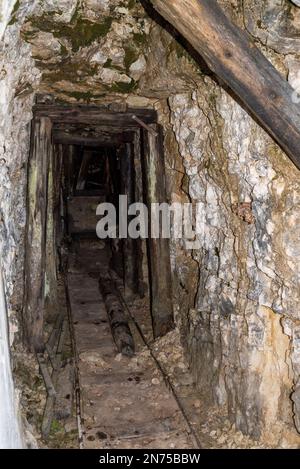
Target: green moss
pixel 14 13
pixel 80 32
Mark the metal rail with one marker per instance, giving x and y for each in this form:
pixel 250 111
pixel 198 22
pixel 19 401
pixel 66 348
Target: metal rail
pixel 190 430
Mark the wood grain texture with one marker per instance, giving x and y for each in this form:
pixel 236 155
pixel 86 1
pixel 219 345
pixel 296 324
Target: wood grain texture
pixel 36 232
pixel 233 57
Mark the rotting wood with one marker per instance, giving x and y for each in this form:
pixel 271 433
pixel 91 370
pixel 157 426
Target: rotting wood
pixel 45 374
pixel 77 384
pixel 232 55
pixel 117 318
pixel 82 176
pixel 159 248
pixel 35 249
pixel 138 197
pixel 190 428
pixel 95 115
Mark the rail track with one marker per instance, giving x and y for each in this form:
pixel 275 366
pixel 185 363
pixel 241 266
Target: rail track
pixel 117 405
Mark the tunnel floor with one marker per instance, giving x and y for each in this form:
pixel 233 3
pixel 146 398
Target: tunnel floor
pixel 125 401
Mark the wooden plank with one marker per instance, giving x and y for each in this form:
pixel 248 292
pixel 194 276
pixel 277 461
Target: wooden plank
pixel 159 249
pixel 83 171
pixel 117 317
pixel 35 244
pixel 51 254
pixel 232 56
pixel 105 140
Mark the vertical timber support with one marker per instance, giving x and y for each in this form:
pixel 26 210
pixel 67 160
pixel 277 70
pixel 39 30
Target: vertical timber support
pixel 159 248
pixel 36 232
pixel 82 176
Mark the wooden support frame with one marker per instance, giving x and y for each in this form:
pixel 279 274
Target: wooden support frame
pixel 232 55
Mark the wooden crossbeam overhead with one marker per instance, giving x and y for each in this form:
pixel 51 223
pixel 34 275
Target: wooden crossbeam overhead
pixel 104 140
pixel 233 57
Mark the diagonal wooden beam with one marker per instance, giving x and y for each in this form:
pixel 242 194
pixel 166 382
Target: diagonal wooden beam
pixel 232 56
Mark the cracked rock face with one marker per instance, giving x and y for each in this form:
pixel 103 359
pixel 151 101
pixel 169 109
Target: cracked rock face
pixel 236 295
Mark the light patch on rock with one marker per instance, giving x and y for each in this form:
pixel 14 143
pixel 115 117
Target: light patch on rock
pixel 137 68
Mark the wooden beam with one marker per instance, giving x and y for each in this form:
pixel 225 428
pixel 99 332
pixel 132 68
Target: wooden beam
pixel 233 57
pixel 35 247
pixel 104 140
pixel 117 316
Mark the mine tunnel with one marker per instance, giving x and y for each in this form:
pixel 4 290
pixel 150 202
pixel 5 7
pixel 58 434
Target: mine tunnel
pixel 149 224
